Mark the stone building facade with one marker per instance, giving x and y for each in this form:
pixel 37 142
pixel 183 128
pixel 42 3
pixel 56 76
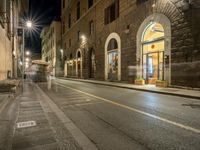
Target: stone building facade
pixel 11 12
pixel 51 47
pixel 126 39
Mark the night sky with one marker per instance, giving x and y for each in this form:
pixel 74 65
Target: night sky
pixel 42 12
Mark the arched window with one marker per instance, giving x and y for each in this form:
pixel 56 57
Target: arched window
pixel 79 54
pixel 112 45
pixel 153 32
pixel 112 55
pixel 70 56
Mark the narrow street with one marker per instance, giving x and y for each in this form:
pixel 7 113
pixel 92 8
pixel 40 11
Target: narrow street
pixel 114 118
pixel 100 75
pixel 72 115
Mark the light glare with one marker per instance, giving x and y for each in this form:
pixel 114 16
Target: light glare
pixel 29 24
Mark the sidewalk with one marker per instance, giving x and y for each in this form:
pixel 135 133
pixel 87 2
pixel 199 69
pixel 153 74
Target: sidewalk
pixel 41 125
pixel 195 94
pixel 37 127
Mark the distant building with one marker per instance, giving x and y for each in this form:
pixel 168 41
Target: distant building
pixel 158 39
pixel 11 12
pixel 36 56
pixel 51 47
pixel 38 71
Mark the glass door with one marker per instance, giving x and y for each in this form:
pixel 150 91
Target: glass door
pixel 112 65
pixel 152 67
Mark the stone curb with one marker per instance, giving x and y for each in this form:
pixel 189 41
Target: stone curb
pixel 132 88
pixel 78 135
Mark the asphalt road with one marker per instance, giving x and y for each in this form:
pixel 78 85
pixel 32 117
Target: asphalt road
pixel 122 119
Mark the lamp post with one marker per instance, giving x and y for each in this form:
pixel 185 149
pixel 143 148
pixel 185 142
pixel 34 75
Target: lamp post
pixel 28 25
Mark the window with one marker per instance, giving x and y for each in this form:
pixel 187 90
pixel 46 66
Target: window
pixel 63 3
pixel 69 21
pixel 65 45
pixel 2 11
pixel 111 12
pixel 5 15
pixel 78 10
pixel 91 27
pixel 140 1
pixel 70 56
pixel 70 42
pixel 90 3
pixel 112 44
pixel 63 27
pixel 78 36
pixel 112 55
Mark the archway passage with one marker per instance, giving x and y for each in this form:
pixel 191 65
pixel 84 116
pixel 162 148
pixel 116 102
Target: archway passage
pixel 79 64
pixel 92 63
pixel 70 65
pixel 153 47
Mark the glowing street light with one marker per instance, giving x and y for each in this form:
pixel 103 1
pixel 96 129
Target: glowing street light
pixel 27 59
pixel 27 53
pixel 29 24
pixel 83 37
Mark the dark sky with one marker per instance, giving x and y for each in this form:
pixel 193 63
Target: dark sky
pixel 42 12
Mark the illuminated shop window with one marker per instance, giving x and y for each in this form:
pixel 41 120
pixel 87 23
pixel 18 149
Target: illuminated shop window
pixel 113 57
pixel 153 46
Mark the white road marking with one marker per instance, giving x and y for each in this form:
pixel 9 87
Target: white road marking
pixel 181 98
pixel 88 103
pixel 26 124
pixel 136 110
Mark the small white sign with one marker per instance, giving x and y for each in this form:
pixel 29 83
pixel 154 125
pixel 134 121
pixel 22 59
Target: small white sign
pixel 26 124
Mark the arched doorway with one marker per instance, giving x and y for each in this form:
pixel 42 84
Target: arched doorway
pixel 79 64
pixel 70 65
pixel 154 49
pixel 153 46
pixel 113 57
pixel 92 65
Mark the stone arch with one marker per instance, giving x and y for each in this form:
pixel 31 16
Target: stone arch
pixel 165 22
pixel 92 62
pixel 118 39
pixel 79 63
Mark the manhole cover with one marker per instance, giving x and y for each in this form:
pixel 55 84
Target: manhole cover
pixel 26 124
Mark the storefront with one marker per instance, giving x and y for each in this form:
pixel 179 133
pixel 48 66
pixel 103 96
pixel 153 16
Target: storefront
pixel 153 53
pixel 154 49
pixel 78 64
pixel 69 66
pixel 92 63
pixel 113 57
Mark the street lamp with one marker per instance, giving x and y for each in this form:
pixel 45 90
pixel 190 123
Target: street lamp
pixel 27 53
pixel 27 59
pixel 28 26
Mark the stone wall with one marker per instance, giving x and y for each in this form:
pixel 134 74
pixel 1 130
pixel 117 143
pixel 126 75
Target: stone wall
pixel 185 47
pixel 6 54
